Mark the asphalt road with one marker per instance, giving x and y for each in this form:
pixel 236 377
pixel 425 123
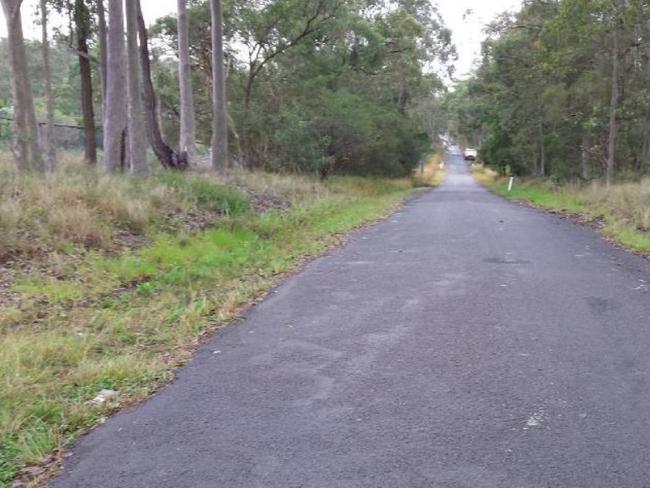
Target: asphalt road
pixel 467 342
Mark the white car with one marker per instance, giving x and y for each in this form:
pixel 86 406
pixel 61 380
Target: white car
pixel 470 154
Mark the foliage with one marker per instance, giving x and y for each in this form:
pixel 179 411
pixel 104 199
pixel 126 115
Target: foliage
pixel 299 74
pixel 320 86
pixel 64 73
pixel 541 101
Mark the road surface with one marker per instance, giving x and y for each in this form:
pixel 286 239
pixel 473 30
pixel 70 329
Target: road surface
pixel 466 342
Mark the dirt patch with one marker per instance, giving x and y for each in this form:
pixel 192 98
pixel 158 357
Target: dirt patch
pixel 586 220
pixel 8 298
pixel 264 202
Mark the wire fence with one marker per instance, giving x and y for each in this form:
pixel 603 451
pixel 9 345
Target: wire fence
pixel 64 136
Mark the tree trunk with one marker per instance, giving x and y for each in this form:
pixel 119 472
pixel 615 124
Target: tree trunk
pixel 246 157
pixel 136 124
pixel 613 108
pixel 165 154
pixel 542 152
pixel 219 124
pixel 25 134
pixel 82 26
pixel 101 35
pixel 585 169
pixel 187 141
pixel 48 139
pixel 644 151
pixel 233 135
pixel 115 116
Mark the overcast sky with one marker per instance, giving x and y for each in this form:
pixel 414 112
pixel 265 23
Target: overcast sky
pixel 466 18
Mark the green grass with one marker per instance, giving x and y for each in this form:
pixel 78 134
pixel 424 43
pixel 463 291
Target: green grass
pixel 624 208
pixel 87 317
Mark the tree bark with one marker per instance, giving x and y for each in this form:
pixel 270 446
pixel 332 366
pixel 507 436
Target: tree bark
pixel 165 154
pixel 585 169
pixel 219 123
pixel 613 109
pixel 101 36
pixel 542 151
pixel 25 134
pixel 115 116
pixel 48 139
pixel 136 124
pixel 187 140
pixel 82 26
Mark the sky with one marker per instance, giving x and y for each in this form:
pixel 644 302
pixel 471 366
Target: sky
pixel 466 19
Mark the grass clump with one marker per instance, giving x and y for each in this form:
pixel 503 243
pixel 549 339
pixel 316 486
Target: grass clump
pixel 77 209
pixel 106 316
pixel 624 208
pixel 201 192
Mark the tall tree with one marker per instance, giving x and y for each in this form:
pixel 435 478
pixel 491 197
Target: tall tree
pixel 82 23
pixel 564 90
pixel 187 139
pixel 26 148
pixel 116 89
pixel 101 40
pixel 136 124
pixel 165 154
pixel 219 119
pixel 48 136
pixel 328 85
pixel 270 30
pixel 613 111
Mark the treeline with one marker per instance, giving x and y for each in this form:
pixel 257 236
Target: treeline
pixel 327 86
pixel 563 90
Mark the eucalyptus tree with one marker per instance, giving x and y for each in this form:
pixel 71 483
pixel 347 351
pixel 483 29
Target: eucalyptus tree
pixel 137 148
pixel 83 33
pixel 219 119
pixel 317 85
pixel 115 113
pixel 101 42
pixel 578 72
pixel 268 30
pixel 48 137
pixel 25 134
pixel 187 139
pixel 163 151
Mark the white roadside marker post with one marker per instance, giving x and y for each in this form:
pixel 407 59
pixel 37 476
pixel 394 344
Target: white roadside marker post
pixel 510 183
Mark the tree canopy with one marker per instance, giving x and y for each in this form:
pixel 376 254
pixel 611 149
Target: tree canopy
pixel 562 90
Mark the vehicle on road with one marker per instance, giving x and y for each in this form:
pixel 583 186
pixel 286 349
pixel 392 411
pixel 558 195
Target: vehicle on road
pixel 470 154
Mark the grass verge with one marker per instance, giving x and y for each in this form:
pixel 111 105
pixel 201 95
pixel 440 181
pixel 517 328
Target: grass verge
pixel 621 213
pixel 109 283
pixel 433 173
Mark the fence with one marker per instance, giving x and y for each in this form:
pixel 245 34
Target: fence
pixel 65 137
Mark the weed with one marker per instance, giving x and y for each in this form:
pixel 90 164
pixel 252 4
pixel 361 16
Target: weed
pixel 92 315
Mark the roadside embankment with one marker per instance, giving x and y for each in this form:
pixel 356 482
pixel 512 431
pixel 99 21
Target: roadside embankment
pixel 107 283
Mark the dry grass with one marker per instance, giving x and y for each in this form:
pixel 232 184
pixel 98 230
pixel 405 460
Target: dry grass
pixel 629 203
pixel 109 287
pixel 483 174
pixel 433 173
pixel 76 208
